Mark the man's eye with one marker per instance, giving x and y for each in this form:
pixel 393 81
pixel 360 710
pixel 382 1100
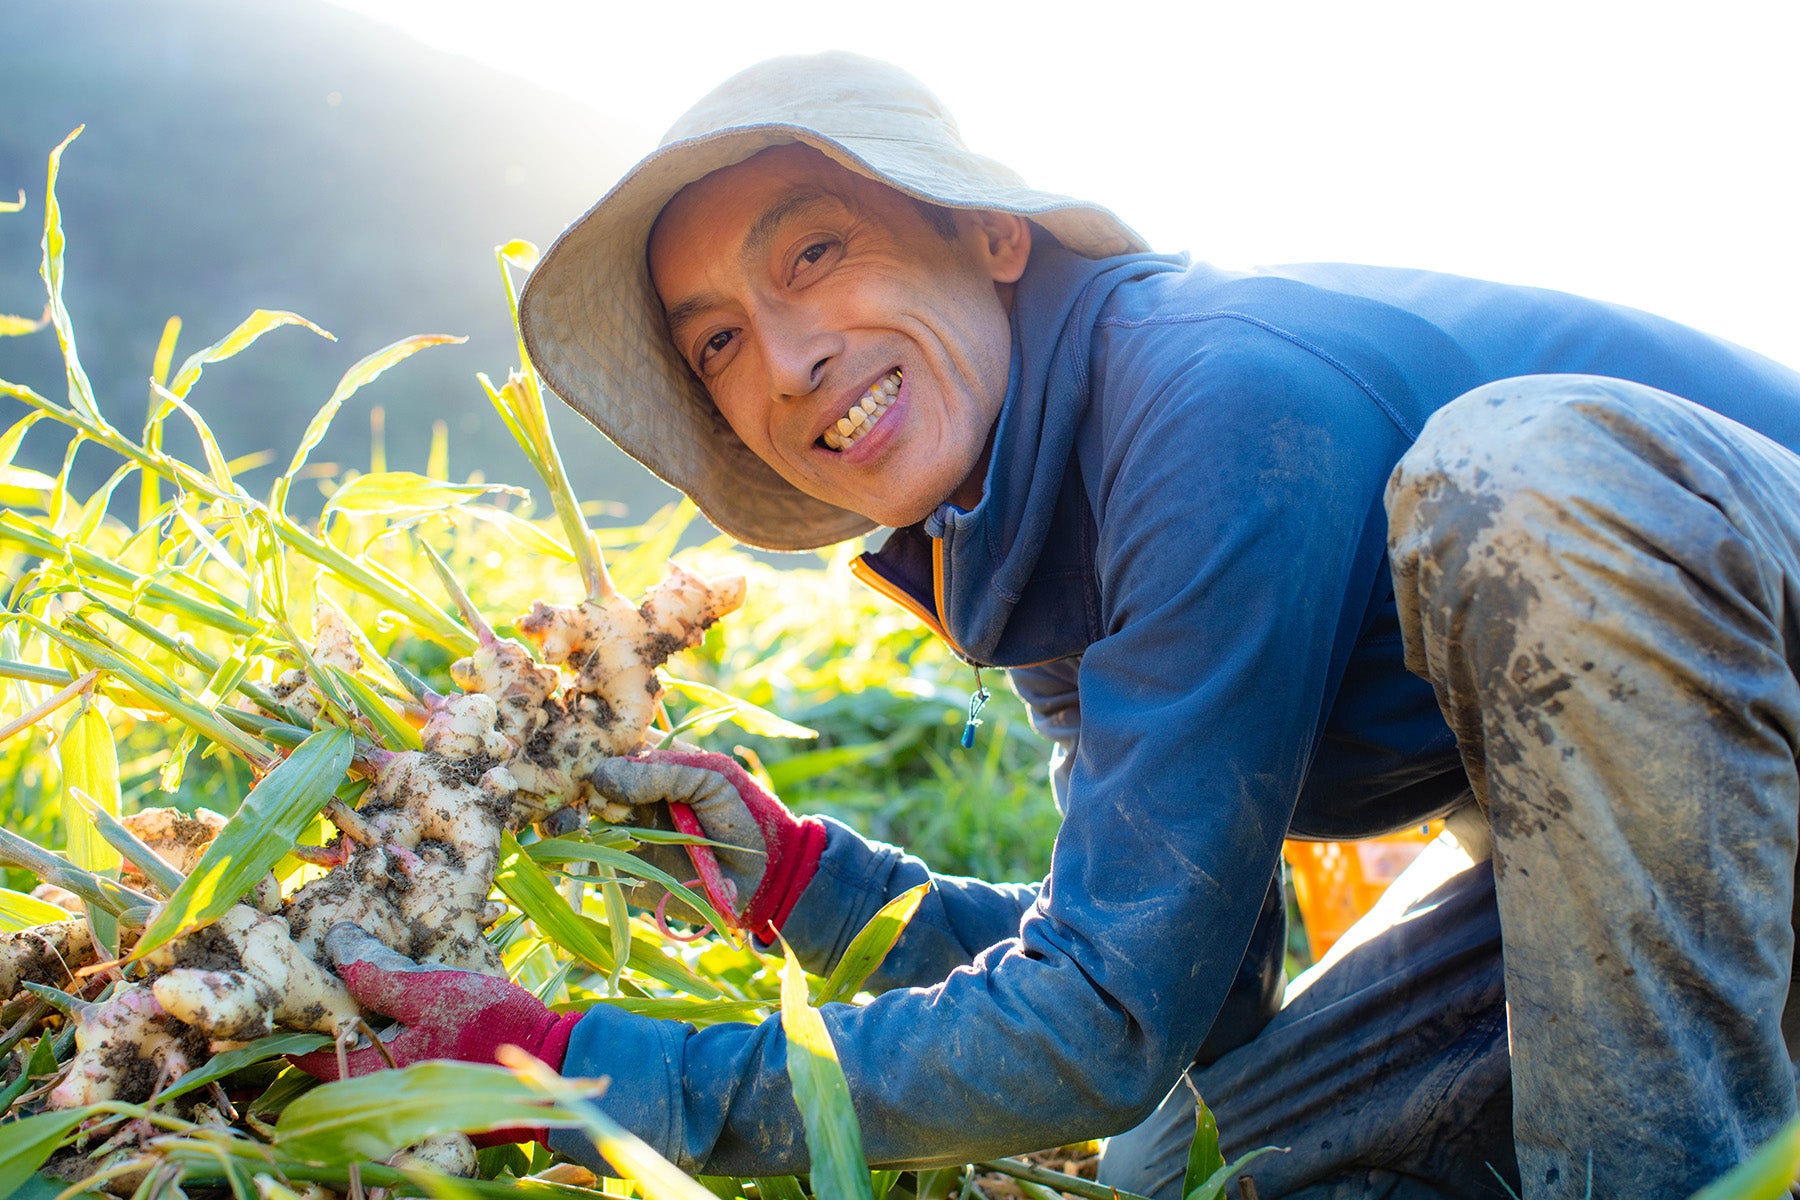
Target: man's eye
pixel 811 255
pixel 714 344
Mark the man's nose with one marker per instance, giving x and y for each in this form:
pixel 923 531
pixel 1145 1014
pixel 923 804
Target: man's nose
pixel 799 348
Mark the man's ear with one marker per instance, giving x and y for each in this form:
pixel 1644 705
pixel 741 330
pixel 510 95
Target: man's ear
pixel 1003 240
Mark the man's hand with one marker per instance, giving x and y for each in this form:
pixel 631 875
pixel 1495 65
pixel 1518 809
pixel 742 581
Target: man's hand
pixel 443 1012
pixel 778 854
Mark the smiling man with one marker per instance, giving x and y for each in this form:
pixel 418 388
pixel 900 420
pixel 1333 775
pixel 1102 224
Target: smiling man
pixel 1316 551
pixel 857 342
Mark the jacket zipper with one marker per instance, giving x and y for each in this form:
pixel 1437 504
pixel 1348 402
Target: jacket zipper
pixel 861 570
pixel 933 620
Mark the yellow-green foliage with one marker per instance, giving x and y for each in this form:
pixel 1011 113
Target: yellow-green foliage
pixel 810 644
pixel 141 643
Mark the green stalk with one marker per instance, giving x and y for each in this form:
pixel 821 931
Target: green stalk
pixel 33 539
pixel 172 469
pixel 69 1006
pixel 471 615
pixel 203 1169
pixel 53 868
pixel 97 650
pixel 418 690
pixel 521 404
pixel 32 673
pixel 199 1156
pixel 190 654
pixel 431 621
pixel 1085 1188
pixel 148 862
pixel 27 1021
pixel 280 733
pixel 529 421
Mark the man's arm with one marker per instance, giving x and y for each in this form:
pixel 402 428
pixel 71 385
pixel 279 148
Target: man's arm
pixel 1234 583
pixel 1052 695
pixel 958 918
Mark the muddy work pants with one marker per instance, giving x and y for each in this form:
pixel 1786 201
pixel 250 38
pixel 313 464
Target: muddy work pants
pixel 1602 583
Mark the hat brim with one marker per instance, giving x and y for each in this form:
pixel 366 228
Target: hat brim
pixel 593 324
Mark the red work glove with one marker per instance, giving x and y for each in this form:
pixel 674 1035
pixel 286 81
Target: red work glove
pixel 780 851
pixel 442 1012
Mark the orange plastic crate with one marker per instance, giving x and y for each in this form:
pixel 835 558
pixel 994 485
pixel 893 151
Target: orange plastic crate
pixel 1337 882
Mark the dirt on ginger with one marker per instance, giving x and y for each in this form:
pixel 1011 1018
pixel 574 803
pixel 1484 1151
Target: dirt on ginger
pixel 242 976
pixel 125 1049
pixel 450 1153
pixel 414 863
pixel 178 838
pixel 612 649
pixel 421 855
pixel 49 954
pixel 334 646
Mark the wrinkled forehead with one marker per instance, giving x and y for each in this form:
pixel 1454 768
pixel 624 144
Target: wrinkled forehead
pixel 726 221
pixel 763 188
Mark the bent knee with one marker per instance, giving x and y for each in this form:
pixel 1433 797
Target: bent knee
pixel 1520 448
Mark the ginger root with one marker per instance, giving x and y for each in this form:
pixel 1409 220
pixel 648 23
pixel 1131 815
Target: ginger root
pixel 448 1153
pixel 613 649
pixel 414 864
pixel 240 977
pixel 334 645
pixel 158 1051
pixel 49 954
pixel 426 848
pixel 178 838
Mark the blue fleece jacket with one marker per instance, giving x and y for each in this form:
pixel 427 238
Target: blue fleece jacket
pixel 1181 553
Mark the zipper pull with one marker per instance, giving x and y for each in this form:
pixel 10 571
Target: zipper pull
pixel 977 701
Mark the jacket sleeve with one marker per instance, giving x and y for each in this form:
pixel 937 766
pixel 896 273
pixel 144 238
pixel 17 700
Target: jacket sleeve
pixel 1235 574
pixel 1052 696
pixel 957 919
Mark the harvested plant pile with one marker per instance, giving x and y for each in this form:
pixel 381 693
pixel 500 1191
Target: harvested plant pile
pixel 185 945
pixel 171 958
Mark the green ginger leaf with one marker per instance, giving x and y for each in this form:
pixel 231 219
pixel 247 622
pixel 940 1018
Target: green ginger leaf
pixel 871 945
pixel 271 820
pixel 374 1115
pixel 833 1138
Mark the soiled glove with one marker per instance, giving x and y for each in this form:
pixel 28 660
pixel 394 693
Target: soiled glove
pixel 779 854
pixel 443 1012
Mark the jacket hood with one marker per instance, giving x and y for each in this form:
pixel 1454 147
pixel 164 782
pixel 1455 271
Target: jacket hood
pixel 997 553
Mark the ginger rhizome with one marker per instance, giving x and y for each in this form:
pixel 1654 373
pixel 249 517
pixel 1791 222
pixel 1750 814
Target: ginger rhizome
pixel 420 856
pixel 413 863
pixel 48 954
pixel 125 1048
pixel 612 648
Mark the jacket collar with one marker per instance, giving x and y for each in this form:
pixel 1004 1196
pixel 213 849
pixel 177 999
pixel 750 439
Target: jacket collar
pixel 975 584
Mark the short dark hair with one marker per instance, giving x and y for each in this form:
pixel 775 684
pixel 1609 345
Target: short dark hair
pixel 938 217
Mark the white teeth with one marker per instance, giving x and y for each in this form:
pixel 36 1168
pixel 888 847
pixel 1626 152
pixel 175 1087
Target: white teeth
pixel 863 415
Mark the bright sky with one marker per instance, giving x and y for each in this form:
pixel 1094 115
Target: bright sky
pixel 1639 152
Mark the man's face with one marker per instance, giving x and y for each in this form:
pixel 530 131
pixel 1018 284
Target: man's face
pixel 807 298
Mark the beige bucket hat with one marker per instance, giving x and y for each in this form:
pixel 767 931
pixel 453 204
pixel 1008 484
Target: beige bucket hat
pixel 593 325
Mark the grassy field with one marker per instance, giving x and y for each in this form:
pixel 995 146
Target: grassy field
pixel 887 701
pixel 144 628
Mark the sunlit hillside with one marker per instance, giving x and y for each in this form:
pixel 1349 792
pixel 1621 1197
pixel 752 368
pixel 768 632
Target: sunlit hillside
pixel 287 156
